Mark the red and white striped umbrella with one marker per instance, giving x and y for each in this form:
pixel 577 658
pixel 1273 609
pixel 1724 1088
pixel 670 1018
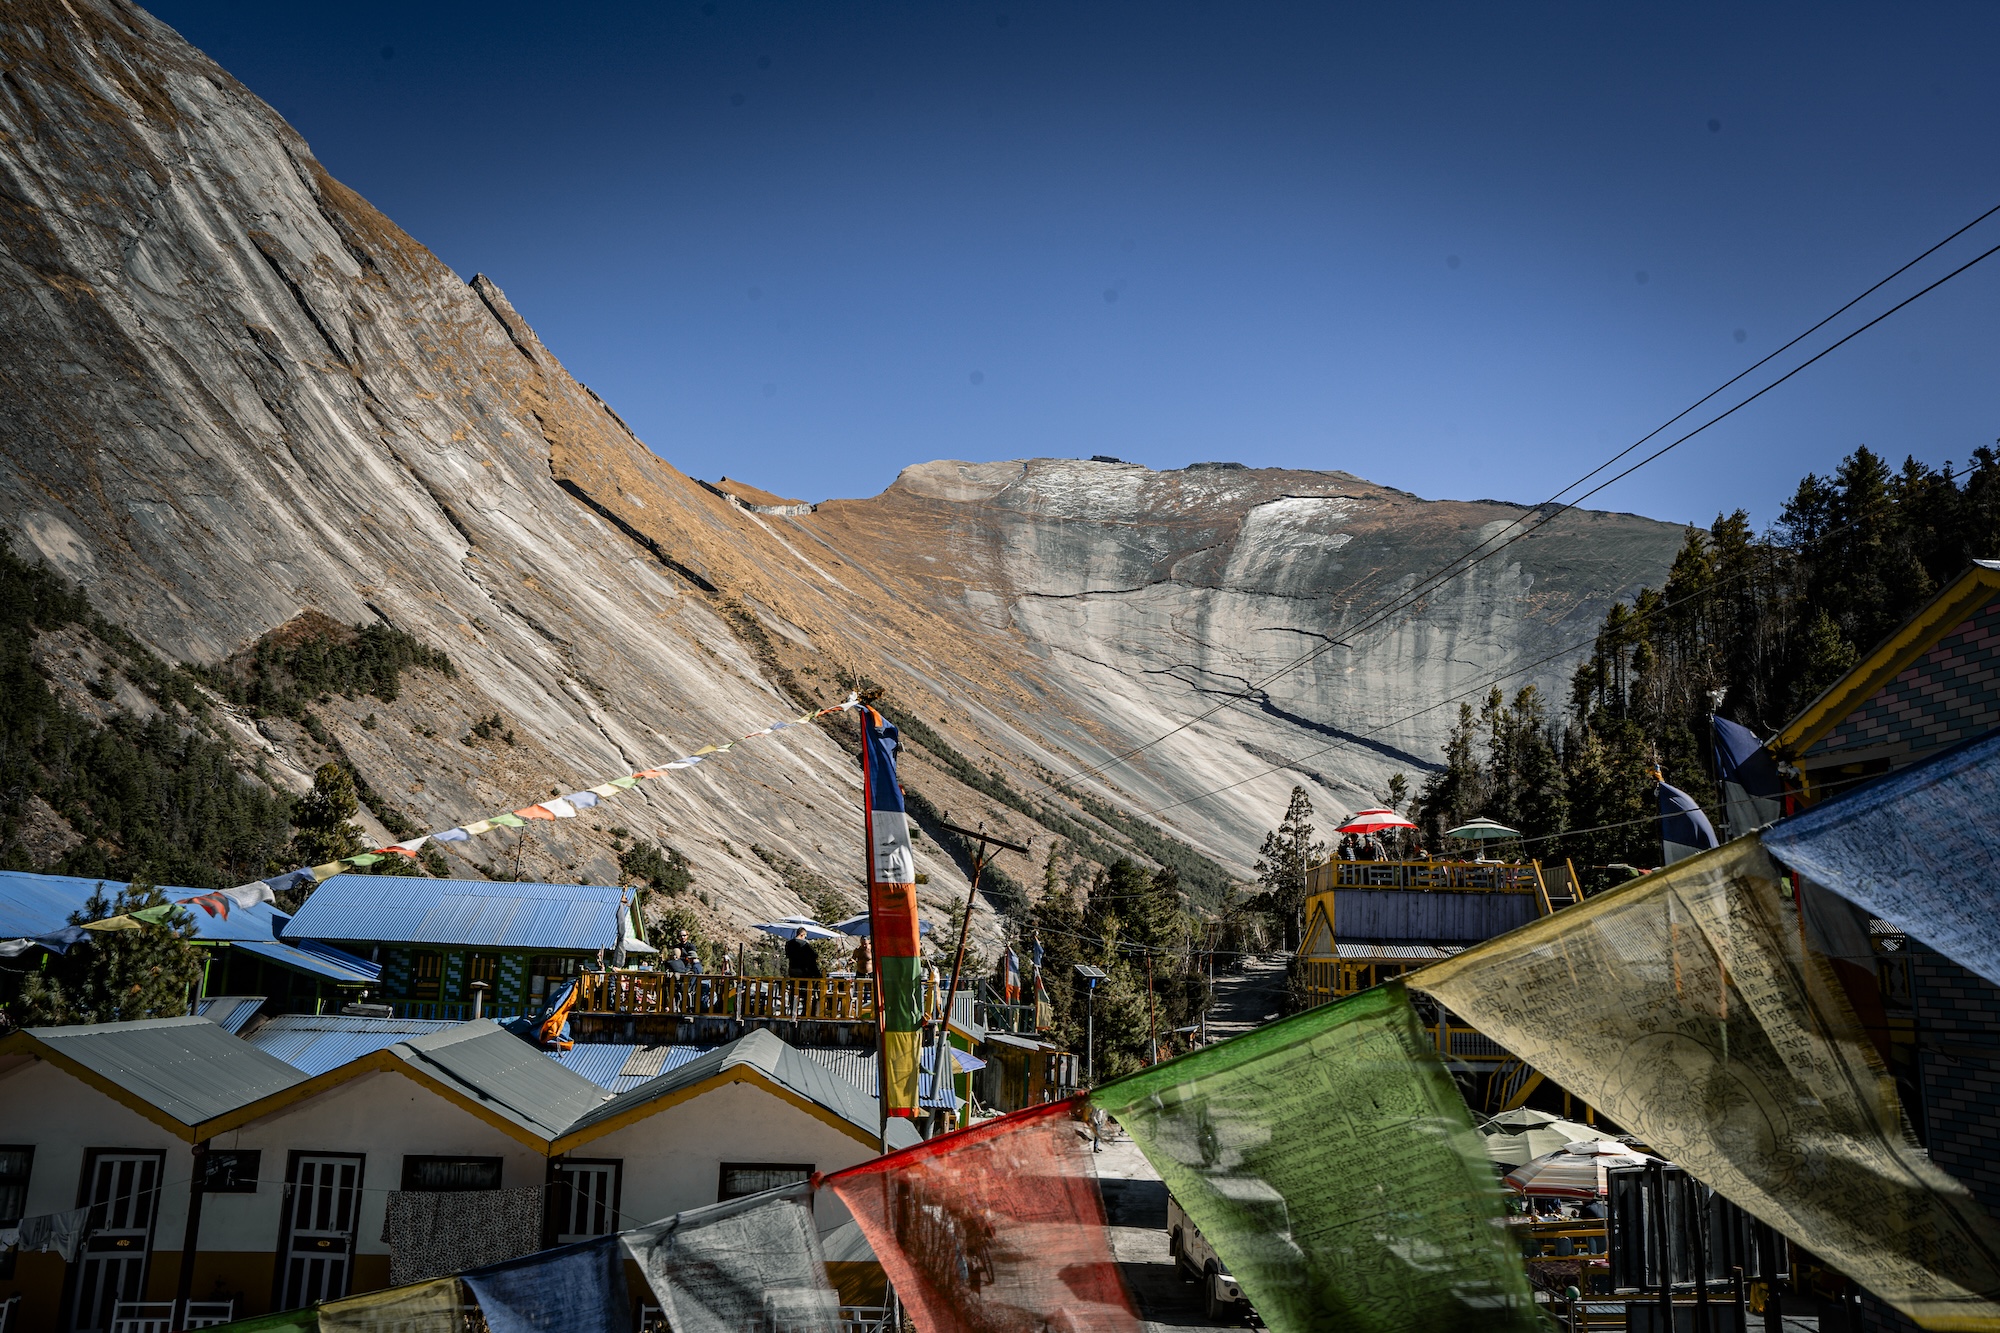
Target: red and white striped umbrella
pixel 1575 1171
pixel 1374 821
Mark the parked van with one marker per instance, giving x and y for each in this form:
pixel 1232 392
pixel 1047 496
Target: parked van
pixel 1196 1260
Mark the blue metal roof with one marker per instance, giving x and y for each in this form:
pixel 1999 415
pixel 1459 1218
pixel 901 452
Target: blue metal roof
pixel 465 912
pixel 231 1013
pixel 38 904
pixel 315 1043
pixel 600 1062
pixel 312 956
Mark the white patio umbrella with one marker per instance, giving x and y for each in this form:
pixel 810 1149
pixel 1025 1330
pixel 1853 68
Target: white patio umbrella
pixel 1575 1171
pixel 1373 821
pixel 789 926
pixel 1482 830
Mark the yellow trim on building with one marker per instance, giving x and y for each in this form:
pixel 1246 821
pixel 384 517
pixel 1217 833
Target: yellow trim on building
pixel 734 1074
pixel 1951 608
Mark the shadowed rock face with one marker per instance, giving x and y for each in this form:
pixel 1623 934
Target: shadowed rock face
pixel 233 393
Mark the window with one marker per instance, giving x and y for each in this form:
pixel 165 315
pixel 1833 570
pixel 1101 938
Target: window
pixel 741 1178
pixel 482 967
pixel 426 971
pixel 439 1175
pixel 584 1202
pixel 15 1163
pixel 230 1172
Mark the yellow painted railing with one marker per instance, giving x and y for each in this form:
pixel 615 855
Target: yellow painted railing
pixel 704 996
pixel 1492 876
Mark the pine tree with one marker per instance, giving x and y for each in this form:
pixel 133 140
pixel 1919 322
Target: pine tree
pixel 114 975
pixel 323 817
pixel 1289 851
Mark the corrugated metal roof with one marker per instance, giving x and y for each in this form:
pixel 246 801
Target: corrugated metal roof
pixel 230 1012
pixel 778 1061
pixel 315 1043
pixel 506 1073
pixel 858 1068
pixel 1420 953
pixel 187 1067
pixel 465 912
pixel 600 1062
pixel 311 956
pixel 38 904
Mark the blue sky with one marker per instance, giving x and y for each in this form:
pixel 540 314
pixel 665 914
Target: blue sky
pixel 1467 250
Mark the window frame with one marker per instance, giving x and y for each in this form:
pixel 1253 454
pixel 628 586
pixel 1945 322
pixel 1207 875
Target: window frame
pixel 805 1170
pixel 411 1161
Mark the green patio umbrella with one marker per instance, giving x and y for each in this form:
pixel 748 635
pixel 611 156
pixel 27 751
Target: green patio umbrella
pixel 1482 830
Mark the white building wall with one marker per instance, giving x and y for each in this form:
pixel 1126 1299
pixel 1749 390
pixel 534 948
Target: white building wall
pixel 382 1117
pixel 63 1117
pixel 673 1158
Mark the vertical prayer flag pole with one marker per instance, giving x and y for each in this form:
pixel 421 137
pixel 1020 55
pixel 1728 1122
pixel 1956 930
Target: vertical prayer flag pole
pixel 892 920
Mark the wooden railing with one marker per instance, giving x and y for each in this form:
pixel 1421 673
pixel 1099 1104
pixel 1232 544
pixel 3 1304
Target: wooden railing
pixel 1492 876
pixel 837 999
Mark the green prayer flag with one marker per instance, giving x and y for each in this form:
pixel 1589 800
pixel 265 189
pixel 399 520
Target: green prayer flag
pixel 1331 1162
pixel 152 915
pixel 306 1319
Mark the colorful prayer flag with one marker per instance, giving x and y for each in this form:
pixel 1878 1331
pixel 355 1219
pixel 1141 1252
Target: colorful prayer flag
pixel 1916 848
pixel 1330 1161
pixel 1684 1006
pixel 892 914
pixel 426 1307
pixel 575 1287
pixel 994 1229
pixel 749 1263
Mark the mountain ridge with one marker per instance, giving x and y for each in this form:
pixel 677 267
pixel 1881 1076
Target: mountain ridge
pixel 237 394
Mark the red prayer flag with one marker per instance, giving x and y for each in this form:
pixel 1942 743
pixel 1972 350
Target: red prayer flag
pixel 995 1228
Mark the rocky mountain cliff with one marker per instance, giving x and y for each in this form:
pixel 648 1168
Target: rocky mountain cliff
pixel 235 395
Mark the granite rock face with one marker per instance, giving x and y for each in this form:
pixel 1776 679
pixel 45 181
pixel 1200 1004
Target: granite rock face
pixel 232 393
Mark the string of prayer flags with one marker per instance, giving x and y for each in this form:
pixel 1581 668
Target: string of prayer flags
pixel 1685 1006
pixel 892 915
pixel 1330 1161
pixel 749 1263
pixel 219 902
pixel 994 1228
pixel 575 1287
pixel 426 1307
pixel 145 916
pixel 1916 849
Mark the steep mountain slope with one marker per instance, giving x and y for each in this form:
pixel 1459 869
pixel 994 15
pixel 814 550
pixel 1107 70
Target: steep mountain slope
pixel 233 394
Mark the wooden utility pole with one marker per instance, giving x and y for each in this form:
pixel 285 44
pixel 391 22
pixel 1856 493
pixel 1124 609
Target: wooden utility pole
pixel 1152 1020
pixel 979 859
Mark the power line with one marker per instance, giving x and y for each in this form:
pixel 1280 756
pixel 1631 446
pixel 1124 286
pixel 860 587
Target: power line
pixel 1485 684
pixel 1479 554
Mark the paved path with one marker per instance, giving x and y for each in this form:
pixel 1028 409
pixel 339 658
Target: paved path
pixel 1250 998
pixel 1135 1203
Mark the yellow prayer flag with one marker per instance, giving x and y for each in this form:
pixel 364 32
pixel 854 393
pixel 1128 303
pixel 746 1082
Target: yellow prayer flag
pixel 1685 1007
pixel 426 1307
